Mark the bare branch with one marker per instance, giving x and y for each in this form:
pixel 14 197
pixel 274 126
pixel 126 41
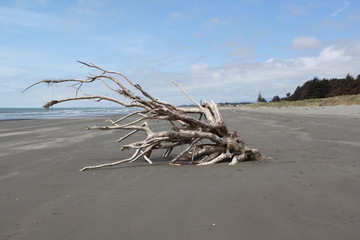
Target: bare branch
pixel 128 115
pixel 127 135
pixel 182 90
pixel 98 98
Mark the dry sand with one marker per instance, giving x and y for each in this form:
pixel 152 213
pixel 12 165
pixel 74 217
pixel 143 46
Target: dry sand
pixel 311 190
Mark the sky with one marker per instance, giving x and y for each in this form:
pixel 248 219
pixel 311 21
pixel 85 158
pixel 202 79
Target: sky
pixel 226 51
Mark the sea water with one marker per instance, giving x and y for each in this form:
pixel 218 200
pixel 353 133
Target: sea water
pixel 41 113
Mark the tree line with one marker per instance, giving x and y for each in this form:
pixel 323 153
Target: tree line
pixel 321 88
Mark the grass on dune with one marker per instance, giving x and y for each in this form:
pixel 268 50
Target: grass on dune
pixel 332 101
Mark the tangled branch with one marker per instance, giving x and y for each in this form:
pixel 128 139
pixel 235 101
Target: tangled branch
pixel 186 130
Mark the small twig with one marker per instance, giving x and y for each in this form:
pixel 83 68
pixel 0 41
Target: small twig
pixel 188 95
pixel 127 116
pixel 127 135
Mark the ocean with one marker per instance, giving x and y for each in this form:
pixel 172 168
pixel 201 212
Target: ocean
pixel 41 113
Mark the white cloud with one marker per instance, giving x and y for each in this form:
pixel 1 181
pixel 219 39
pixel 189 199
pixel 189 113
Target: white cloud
pixel 271 77
pixel 229 81
pixel 305 42
pixel 332 54
pixel 346 4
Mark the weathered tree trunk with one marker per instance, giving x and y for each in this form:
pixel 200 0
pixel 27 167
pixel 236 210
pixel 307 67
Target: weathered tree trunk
pixel 206 138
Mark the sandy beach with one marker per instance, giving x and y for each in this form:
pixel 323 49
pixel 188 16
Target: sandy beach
pixel 310 190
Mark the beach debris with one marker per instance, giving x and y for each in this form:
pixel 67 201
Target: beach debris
pixel 199 129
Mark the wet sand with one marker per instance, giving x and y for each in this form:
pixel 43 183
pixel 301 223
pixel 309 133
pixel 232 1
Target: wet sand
pixel 311 189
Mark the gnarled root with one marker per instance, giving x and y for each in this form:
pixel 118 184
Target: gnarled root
pixel 200 128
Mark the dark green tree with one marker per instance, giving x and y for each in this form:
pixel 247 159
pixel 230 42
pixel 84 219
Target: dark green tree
pixel 276 99
pixel 261 98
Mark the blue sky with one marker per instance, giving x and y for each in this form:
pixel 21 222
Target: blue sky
pixel 217 50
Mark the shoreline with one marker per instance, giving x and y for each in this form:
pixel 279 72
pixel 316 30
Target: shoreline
pixel 338 110
pixel 65 118
pixel 41 113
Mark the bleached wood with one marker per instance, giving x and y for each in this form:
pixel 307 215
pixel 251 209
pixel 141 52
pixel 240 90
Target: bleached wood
pixel 184 129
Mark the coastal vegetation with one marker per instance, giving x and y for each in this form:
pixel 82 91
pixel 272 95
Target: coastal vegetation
pixel 316 92
pixel 331 101
pixel 325 88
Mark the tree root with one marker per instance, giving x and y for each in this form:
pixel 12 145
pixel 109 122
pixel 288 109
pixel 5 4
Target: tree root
pixel 218 144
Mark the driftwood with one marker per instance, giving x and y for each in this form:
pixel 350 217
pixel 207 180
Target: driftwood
pixel 206 138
